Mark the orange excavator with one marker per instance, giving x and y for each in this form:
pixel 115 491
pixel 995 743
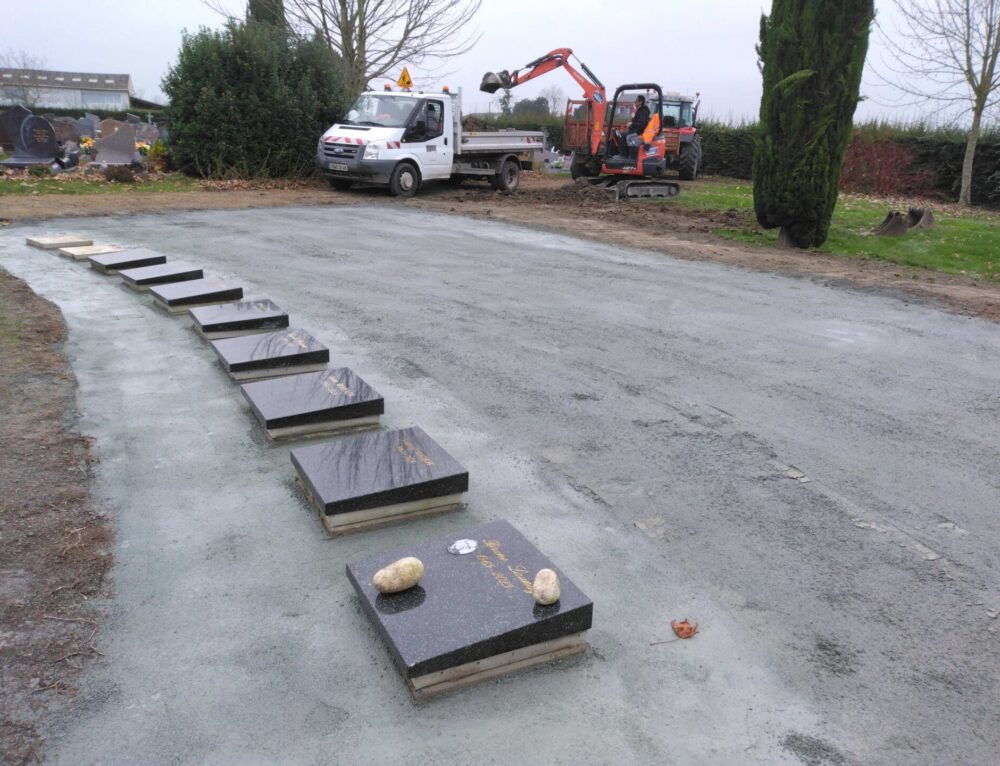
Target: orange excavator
pixel 625 169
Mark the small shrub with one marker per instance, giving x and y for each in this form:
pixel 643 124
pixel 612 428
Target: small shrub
pixel 39 171
pixel 119 174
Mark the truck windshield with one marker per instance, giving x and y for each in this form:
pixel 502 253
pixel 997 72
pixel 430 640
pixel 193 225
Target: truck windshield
pixel 380 111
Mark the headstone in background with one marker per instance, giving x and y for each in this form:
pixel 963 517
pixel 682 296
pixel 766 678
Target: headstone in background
pixel 87 125
pixel 35 143
pixel 134 119
pixel 66 130
pixel 163 132
pixel 117 148
pixel 147 132
pixel 107 127
pixel 10 126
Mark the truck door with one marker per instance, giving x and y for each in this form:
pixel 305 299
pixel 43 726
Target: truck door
pixel 429 138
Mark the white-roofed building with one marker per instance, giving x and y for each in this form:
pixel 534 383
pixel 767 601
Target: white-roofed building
pixel 44 89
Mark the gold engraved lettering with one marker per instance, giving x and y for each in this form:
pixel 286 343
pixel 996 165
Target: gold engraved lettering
pixel 421 455
pixel 503 580
pixel 406 455
pixel 494 545
pixel 293 339
pixel 485 561
pixel 335 387
pixel 520 572
pixel 41 135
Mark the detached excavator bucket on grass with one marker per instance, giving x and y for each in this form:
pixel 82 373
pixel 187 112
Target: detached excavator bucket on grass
pixel 494 81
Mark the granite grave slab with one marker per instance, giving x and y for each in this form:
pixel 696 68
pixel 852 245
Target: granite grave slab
pixel 314 403
pixel 10 125
pixel 369 480
pixel 472 616
pixel 56 241
pixel 143 278
pixel 178 297
pixel 248 317
pixel 66 130
pixel 123 260
pixel 249 357
pixel 87 125
pixel 84 252
pixel 118 148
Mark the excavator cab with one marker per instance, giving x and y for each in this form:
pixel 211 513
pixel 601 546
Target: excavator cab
pixel 644 157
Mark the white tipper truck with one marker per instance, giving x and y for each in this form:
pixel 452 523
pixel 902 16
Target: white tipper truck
pixel 405 138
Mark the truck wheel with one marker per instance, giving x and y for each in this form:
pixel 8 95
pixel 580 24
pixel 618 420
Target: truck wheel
pixel 404 181
pixel 509 177
pixel 690 160
pixel 341 184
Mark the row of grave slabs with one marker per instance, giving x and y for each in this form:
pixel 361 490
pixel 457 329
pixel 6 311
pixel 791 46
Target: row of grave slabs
pixel 473 615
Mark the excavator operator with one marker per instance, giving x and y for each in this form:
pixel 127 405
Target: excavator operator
pixel 633 139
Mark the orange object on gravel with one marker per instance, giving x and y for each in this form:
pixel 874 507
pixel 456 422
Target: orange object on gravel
pixel 684 629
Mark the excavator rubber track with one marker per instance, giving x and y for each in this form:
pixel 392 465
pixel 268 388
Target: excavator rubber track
pixel 639 188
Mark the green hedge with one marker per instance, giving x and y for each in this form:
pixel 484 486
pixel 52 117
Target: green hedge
pixel 933 158
pixel 251 100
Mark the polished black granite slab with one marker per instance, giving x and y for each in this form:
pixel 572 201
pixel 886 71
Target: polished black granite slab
pixel 377 470
pixel 196 292
pixel 471 606
pixel 147 276
pixel 239 318
pixel 288 348
pixel 312 398
pixel 140 257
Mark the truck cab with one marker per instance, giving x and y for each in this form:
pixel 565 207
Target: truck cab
pixel 395 138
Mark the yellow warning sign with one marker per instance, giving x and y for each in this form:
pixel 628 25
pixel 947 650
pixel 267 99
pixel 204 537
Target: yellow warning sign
pixel 405 81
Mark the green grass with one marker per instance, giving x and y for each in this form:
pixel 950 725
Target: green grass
pixel 26 186
pixel 962 242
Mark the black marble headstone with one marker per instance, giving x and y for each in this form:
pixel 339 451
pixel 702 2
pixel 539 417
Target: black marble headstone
pixel 314 402
pixel 10 125
pixel 147 276
pixel 34 144
pixel 471 609
pixel 181 296
pixel 370 479
pixel 134 258
pixel 241 318
pixel 267 354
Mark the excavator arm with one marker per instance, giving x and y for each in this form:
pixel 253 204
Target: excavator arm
pixel 593 88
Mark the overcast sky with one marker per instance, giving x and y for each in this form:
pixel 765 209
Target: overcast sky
pixel 685 45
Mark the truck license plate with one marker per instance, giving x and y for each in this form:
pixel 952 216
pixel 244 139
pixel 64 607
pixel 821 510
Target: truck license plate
pixel 338 166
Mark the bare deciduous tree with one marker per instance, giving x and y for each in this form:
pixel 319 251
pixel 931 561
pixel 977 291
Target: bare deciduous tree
pixel 556 99
pixel 376 37
pixel 946 51
pixel 27 94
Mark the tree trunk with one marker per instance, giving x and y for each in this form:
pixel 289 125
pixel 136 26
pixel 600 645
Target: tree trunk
pixel 965 196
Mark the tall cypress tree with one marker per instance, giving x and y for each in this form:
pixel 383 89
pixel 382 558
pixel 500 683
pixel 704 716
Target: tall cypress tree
pixel 812 53
pixel 267 12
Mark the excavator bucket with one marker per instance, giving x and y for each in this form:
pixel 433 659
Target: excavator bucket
pixel 494 81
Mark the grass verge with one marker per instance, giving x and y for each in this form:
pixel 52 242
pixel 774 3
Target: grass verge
pixel 963 241
pixel 175 182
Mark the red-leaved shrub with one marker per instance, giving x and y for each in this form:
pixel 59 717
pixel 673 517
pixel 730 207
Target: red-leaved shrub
pixel 881 167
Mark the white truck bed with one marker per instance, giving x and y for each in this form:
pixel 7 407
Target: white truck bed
pixel 492 141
